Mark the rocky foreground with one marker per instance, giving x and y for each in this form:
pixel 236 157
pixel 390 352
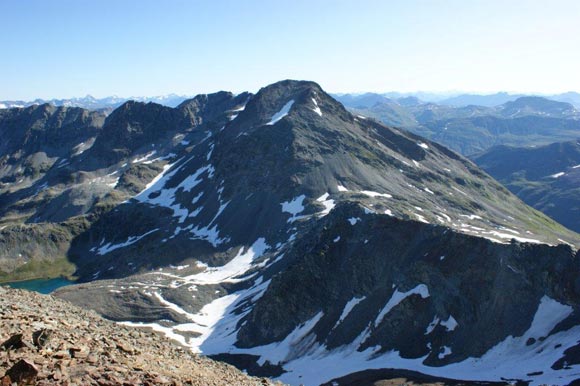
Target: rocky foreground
pixel 47 341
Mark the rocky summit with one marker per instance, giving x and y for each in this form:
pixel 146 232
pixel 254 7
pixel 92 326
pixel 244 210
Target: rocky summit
pixel 46 341
pixel 285 235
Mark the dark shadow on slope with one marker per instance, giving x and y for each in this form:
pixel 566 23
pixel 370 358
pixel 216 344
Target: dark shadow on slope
pixel 396 377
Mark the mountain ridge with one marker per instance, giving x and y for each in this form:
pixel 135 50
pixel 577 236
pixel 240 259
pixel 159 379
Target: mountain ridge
pixel 472 129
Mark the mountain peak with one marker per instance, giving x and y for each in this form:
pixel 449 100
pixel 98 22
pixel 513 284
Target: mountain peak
pixel 304 102
pixel 292 84
pixel 273 98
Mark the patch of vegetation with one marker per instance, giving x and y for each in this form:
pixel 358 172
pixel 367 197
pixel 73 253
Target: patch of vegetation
pixel 40 269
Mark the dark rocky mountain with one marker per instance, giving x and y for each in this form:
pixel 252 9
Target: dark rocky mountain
pixel 137 127
pixel 87 164
pixel 37 141
pixel 546 178
pixel 285 235
pixel 472 129
pixel 44 128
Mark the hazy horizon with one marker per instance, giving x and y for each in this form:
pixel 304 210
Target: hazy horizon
pixel 439 94
pixel 69 49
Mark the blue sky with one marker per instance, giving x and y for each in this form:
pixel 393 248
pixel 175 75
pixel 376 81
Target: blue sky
pixel 65 48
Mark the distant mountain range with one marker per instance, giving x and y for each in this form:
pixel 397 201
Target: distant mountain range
pixel 503 97
pixel 457 100
pixel 547 177
pixel 525 121
pixel 363 100
pixel 284 234
pixel 91 103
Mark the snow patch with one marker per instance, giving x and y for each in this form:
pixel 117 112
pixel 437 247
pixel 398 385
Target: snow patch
pixel 398 297
pixel 508 236
pixel 209 233
pixel 432 325
pixel 421 218
pixel 511 359
pixel 234 268
pixel 145 157
pixel 423 145
pixel 282 113
pixel 156 180
pixel 166 197
pixel 375 194
pixel 348 308
pixel 327 203
pixel 471 216
pixel 549 314
pixel 294 207
pixel 241 108
pixel 354 220
pixel 450 324
pixel 83 146
pixel 316 109
pixel 131 240
pixel 446 352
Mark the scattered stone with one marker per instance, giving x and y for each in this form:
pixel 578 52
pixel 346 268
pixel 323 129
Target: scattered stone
pixel 79 352
pixel 55 343
pixel 23 372
pixel 125 347
pixel 41 337
pixel 14 343
pixel 61 354
pixel 92 359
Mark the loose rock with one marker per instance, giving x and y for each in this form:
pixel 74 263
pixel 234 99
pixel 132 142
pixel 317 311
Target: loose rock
pixel 81 348
pixel 23 372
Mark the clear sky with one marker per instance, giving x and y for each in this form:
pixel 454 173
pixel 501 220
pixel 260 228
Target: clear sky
pixel 66 48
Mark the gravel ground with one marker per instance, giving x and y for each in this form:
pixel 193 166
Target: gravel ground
pixel 48 341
